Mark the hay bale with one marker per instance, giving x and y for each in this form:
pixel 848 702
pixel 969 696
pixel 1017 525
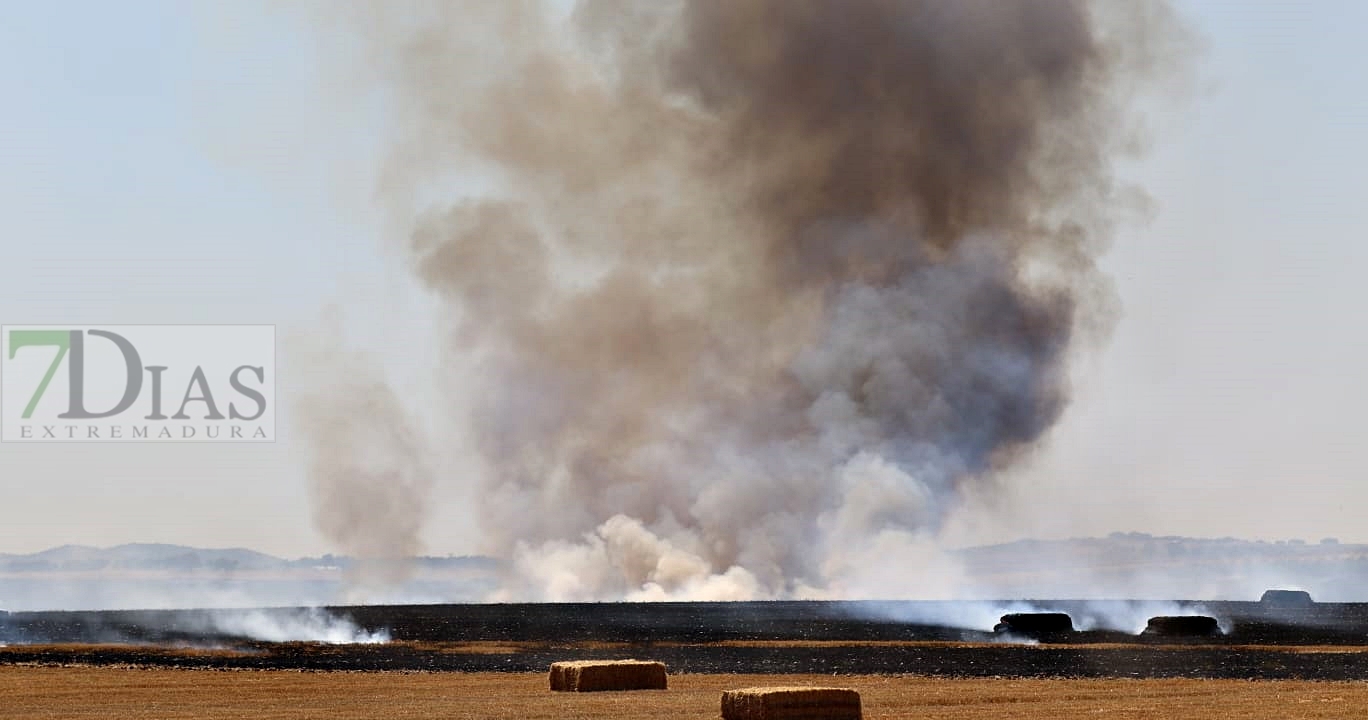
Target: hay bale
pixel 1287 598
pixel 791 703
pixel 1035 625
pixel 598 675
pixel 1182 626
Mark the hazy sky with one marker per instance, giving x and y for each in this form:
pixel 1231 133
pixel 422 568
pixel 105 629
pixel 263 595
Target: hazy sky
pixel 171 162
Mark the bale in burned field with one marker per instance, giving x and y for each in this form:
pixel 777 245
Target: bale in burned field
pixel 1182 626
pixel 791 703
pixel 1035 625
pixel 599 675
pixel 1287 598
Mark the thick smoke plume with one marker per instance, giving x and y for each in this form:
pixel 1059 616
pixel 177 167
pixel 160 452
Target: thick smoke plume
pixel 368 465
pixel 750 291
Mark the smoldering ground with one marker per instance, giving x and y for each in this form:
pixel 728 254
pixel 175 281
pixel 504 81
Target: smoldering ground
pixel 744 294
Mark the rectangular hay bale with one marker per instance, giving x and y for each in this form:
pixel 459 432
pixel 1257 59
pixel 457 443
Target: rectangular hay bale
pixel 791 703
pixel 598 675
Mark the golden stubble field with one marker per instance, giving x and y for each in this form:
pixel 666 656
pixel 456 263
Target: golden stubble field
pixel 142 694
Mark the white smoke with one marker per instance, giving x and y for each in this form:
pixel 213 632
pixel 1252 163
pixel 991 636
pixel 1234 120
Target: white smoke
pixel 1130 616
pixel 979 615
pixel 1127 616
pixel 623 559
pixel 292 625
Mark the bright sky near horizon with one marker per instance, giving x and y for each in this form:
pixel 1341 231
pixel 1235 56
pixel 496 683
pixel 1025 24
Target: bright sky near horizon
pixel 176 162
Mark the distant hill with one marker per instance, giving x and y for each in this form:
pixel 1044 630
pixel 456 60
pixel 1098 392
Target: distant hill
pixel 1142 565
pixel 138 556
pixel 180 559
pixel 1121 565
pixel 1141 549
pixel 150 576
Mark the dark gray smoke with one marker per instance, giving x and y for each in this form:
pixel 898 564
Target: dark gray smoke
pixel 753 289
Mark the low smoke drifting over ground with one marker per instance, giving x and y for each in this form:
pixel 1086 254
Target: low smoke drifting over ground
pixel 752 290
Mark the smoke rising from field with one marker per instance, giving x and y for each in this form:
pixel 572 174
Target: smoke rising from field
pixel 201 626
pixel 1128 616
pixel 368 465
pixel 290 625
pixel 748 292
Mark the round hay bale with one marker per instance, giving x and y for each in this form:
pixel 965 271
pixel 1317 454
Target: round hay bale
pixel 791 703
pixel 598 675
pixel 1182 626
pixel 1035 625
pixel 1287 598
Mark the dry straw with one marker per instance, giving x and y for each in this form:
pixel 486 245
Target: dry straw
pixel 791 703
pixel 596 675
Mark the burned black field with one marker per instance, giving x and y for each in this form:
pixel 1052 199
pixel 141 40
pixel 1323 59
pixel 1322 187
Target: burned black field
pixel 1326 641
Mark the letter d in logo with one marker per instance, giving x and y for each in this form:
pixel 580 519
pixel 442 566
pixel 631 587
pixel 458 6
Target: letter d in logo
pixel 76 373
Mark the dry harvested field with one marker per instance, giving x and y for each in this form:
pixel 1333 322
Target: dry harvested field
pixel 144 694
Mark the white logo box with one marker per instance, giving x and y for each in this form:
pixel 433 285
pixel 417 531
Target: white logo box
pixel 138 383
